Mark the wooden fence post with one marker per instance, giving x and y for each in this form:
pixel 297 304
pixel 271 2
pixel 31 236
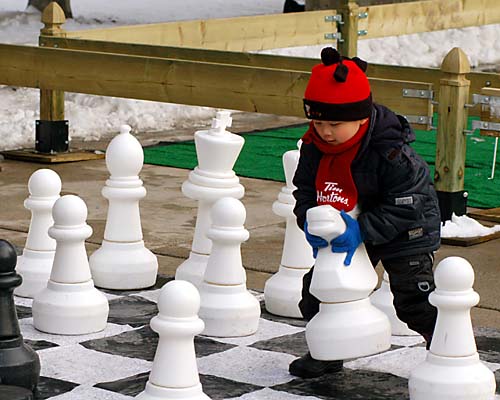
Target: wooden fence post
pixel 348 46
pixel 451 139
pixel 52 128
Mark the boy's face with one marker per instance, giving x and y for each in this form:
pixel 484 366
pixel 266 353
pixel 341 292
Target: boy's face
pixel 337 132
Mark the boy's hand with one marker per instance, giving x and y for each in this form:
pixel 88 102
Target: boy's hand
pixel 315 241
pixel 349 241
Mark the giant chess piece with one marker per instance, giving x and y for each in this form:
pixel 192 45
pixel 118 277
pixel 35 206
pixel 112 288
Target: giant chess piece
pixel 383 299
pixel 70 304
pixel 174 374
pixel 452 369
pixel 35 264
pixel 19 364
pixel 122 261
pixel 213 178
pixel 282 291
pixel 227 308
pixel 347 325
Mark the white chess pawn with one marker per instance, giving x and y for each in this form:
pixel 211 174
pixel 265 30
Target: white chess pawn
pixel 347 324
pixel 282 292
pixel 383 299
pixel 174 374
pixel 213 178
pixel 227 308
pixel 70 304
pixel 452 369
pixel 35 264
pixel 123 262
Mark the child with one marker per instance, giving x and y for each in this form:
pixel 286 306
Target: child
pixel 356 153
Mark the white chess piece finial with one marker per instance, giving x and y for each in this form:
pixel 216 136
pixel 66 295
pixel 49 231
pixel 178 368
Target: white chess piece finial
pixel 213 178
pixel 227 308
pixel 282 291
pixel 123 262
pixel 347 325
pixel 452 369
pixel 174 374
pixel 70 304
pixel 383 299
pixel 35 264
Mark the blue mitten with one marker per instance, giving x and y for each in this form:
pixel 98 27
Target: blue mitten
pixel 349 241
pixel 315 241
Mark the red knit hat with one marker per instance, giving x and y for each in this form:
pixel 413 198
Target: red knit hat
pixel 338 89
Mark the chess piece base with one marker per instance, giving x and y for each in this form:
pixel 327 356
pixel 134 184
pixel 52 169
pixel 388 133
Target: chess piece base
pixel 228 311
pixel 154 392
pixel 20 365
pixel 451 378
pixel 398 327
pixel 34 267
pixel 282 292
pixel 348 330
pixel 123 266
pixel 70 309
pixel 193 269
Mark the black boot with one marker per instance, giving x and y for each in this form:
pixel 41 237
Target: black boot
pixel 308 367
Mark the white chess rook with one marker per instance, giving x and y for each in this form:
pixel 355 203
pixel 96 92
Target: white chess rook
pixel 227 308
pixel 70 304
pixel 282 292
pixel 174 374
pixel 452 369
pixel 347 325
pixel 36 261
pixel 217 151
pixel 383 299
pixel 123 262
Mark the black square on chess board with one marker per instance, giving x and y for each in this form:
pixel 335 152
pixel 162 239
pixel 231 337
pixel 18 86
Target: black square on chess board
pixel 115 364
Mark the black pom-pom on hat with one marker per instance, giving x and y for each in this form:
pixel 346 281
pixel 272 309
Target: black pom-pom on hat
pixel 340 74
pixel 330 56
pixel 363 65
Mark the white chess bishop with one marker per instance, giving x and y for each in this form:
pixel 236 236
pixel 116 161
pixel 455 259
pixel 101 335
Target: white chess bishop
pixel 347 324
pixel 122 261
pixel 282 292
pixel 35 264
pixel 383 299
pixel 174 374
pixel 452 369
pixel 217 151
pixel 70 304
pixel 227 308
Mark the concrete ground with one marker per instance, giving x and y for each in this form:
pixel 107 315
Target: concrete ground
pixel 168 217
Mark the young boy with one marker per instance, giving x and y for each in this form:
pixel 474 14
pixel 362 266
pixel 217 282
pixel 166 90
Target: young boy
pixel 356 153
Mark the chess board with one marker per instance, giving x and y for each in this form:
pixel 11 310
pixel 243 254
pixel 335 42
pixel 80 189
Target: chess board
pixel 114 364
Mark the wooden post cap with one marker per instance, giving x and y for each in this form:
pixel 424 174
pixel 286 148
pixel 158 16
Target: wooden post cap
pixel 53 17
pixel 456 62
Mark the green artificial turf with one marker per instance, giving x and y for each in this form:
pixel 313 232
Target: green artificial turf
pixel 261 157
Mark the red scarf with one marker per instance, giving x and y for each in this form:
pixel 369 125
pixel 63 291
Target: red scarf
pixel 334 183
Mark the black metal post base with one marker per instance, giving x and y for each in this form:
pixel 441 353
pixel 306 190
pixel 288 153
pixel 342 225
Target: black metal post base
pixel 452 202
pixel 52 136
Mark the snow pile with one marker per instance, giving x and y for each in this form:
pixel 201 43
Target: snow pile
pixel 464 226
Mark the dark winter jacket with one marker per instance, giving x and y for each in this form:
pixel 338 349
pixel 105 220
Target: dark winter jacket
pixel 399 207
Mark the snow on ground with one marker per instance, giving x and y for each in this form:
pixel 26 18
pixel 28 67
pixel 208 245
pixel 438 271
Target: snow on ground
pixel 465 226
pixel 93 116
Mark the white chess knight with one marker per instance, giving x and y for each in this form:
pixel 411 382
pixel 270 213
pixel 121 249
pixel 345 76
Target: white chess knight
pixel 452 369
pixel 383 299
pixel 70 304
pixel 36 261
pixel 217 151
pixel 227 308
pixel 347 324
pixel 122 261
pixel 174 374
pixel 282 292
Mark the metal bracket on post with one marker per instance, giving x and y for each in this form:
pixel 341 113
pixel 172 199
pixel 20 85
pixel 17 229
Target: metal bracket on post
pixel 419 119
pixel 419 94
pixel 337 35
pixel 334 18
pixel 52 136
pixel 334 36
